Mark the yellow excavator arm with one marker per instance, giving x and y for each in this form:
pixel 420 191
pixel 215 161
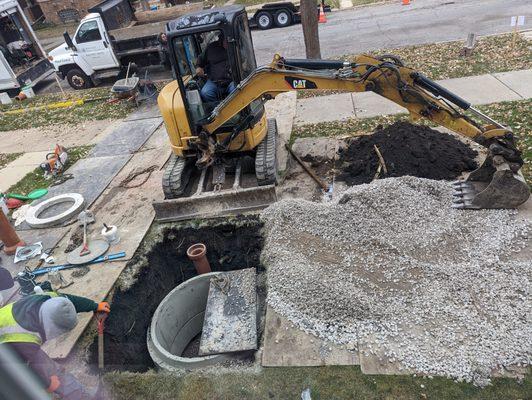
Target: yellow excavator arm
pixel 496 184
pixel 388 78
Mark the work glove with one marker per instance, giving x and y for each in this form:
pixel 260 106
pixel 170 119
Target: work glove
pixel 104 307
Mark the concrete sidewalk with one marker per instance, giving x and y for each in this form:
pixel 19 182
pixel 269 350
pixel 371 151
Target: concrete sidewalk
pixel 482 89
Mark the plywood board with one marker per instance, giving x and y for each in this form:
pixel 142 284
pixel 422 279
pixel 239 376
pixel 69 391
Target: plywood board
pixel 129 136
pixel 230 323
pixel 128 208
pixel 285 345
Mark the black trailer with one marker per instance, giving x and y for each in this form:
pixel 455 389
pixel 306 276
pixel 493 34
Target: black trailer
pixel 278 15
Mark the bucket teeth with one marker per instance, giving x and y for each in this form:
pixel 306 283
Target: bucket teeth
pixel 490 187
pixel 457 184
pixel 463 193
pixel 461 199
pixel 462 204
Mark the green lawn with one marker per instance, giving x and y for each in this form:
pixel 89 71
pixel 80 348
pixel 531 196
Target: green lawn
pixel 515 114
pixel 96 108
pixel 325 383
pixel 7 158
pixel 442 60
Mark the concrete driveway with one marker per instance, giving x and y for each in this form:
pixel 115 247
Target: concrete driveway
pixel 394 25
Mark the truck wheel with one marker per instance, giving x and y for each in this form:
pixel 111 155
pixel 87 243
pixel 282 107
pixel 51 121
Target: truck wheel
pixel 264 20
pixel 78 79
pixel 266 157
pixel 283 18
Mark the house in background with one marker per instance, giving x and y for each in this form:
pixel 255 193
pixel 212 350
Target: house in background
pixel 32 10
pixel 63 11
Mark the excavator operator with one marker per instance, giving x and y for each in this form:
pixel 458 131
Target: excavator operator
pixel 213 62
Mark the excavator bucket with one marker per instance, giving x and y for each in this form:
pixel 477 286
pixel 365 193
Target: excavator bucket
pixel 491 186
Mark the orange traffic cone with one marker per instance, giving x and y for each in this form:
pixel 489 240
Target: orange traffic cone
pixel 406 2
pixel 322 19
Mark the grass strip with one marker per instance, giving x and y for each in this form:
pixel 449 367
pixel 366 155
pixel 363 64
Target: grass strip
pixel 6 158
pixel 443 60
pixel 325 383
pixel 36 180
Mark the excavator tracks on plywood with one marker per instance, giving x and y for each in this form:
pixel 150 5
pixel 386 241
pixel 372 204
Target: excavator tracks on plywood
pixel 266 159
pixel 210 193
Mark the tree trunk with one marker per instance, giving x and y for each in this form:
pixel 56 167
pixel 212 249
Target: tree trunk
pixel 309 20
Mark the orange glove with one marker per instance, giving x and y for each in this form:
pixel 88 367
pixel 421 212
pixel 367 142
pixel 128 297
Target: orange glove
pixel 104 307
pixel 55 384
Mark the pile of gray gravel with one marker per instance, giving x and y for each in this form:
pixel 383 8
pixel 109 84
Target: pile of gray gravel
pixel 392 270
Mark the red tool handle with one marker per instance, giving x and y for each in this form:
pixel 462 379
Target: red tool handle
pixel 100 318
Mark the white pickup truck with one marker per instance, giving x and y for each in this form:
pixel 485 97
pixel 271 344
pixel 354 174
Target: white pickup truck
pixel 104 44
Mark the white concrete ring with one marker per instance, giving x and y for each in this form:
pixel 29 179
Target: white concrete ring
pixel 32 216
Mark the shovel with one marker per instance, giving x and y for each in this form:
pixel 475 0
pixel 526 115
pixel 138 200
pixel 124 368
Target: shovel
pixel 33 195
pixel 100 319
pixel 85 217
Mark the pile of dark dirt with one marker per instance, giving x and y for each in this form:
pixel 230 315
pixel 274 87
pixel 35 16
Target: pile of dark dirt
pixel 407 149
pixel 231 245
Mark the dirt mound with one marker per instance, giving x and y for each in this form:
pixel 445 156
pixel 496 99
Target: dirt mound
pixel 407 150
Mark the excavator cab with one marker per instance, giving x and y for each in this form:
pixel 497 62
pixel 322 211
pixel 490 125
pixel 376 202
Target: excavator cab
pixel 243 148
pixel 227 33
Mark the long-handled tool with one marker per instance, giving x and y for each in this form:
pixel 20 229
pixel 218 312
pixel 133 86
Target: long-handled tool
pixel 85 217
pixel 33 195
pixel 100 319
pixel 307 169
pixel 100 259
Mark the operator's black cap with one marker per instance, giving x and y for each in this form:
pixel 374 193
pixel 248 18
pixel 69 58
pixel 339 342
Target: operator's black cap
pixel 6 281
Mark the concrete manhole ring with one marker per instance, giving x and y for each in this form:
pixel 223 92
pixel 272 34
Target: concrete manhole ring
pixel 32 217
pixel 177 320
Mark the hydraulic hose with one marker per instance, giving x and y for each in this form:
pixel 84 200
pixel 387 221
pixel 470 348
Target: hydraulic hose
pixel 438 90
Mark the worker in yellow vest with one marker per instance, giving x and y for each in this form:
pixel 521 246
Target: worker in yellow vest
pixel 27 323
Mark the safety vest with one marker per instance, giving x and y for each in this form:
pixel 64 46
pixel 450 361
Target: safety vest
pixel 12 332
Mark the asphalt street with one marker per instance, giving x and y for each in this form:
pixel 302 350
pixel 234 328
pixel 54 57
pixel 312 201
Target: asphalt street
pixel 394 25
pixel 387 25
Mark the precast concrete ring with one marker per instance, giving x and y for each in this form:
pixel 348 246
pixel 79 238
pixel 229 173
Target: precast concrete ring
pixel 177 320
pixel 32 216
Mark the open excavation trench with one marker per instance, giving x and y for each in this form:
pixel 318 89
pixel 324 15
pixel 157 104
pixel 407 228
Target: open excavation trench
pixel 160 265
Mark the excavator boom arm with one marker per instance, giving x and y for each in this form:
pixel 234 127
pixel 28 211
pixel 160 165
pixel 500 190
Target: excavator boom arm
pixel 422 97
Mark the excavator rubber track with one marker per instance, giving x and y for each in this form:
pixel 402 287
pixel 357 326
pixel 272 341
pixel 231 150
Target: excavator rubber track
pixel 192 194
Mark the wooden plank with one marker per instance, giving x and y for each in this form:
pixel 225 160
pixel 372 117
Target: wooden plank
pixel 128 208
pixel 230 323
pixel 285 345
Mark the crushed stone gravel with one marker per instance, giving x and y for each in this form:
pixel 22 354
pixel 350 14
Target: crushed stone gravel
pixel 390 268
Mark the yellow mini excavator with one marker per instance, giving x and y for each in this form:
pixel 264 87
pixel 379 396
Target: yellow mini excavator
pixel 231 136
